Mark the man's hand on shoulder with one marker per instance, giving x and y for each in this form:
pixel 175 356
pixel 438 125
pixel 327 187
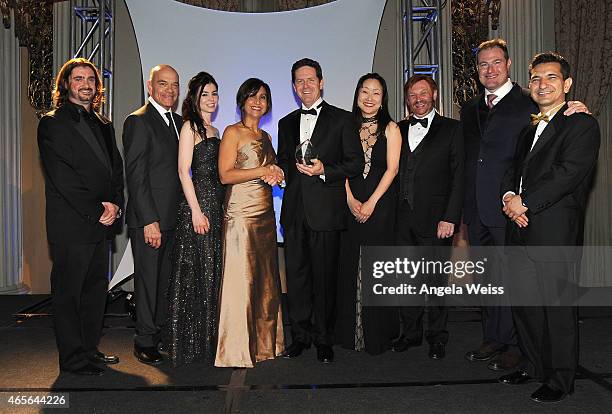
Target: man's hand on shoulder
pixel 576 106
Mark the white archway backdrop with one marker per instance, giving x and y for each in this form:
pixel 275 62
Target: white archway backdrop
pixel 340 35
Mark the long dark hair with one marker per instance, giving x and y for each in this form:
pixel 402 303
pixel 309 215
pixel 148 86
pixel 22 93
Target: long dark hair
pixel 249 88
pixel 191 105
pixel 62 81
pixel 382 116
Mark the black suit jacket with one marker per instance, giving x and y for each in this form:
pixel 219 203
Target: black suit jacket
pixel 151 168
pixel 556 176
pixel 336 141
pixel 434 174
pixel 79 176
pixel 489 152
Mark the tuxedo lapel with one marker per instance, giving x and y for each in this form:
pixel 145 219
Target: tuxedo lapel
pixel 91 140
pixel 477 110
pixel 431 134
pixel 294 128
pixel 320 126
pixel 158 123
pixel 549 133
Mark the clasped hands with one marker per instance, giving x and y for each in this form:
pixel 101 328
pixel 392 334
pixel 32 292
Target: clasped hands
pixel 274 175
pixel 361 211
pixel 109 215
pixel 515 210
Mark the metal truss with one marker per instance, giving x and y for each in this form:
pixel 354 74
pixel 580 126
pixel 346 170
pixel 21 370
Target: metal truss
pixel 422 36
pixel 92 37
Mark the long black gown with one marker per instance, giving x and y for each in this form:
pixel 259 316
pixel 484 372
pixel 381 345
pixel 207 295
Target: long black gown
pixel 193 291
pixel 379 324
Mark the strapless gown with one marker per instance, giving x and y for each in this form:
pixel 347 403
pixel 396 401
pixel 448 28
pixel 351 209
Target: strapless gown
pixel 193 288
pixel 250 320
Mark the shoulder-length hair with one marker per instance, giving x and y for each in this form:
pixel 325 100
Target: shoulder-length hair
pixel 191 105
pixel 382 116
pixel 62 84
pixel 249 88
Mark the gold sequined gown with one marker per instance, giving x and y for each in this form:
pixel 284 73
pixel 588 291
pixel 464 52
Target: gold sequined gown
pixel 250 320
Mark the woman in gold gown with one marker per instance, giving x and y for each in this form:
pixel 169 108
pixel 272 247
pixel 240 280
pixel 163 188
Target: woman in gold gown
pixel 250 320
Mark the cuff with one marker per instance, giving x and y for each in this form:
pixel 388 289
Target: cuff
pixel 505 194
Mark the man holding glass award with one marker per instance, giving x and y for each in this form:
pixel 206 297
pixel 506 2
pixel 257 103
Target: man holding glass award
pixel 318 149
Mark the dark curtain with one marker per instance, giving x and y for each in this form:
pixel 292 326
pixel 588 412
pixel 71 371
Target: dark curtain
pixel 583 35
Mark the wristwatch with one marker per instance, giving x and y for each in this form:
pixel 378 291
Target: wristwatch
pixel 119 214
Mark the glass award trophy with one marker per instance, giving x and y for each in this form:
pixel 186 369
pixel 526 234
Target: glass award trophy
pixel 305 153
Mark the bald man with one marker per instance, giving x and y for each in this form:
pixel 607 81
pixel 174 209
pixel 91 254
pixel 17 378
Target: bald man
pixel 150 141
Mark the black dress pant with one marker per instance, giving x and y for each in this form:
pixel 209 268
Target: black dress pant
pixel 547 335
pixel 311 259
pixel 411 317
pixel 497 324
pixel 79 283
pixel 152 269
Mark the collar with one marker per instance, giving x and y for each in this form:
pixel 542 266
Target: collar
pixel 500 92
pixel 552 112
pixel 76 111
pixel 429 116
pixel 317 105
pixel 162 111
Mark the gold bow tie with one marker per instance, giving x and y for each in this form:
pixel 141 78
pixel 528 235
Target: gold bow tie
pixel 535 119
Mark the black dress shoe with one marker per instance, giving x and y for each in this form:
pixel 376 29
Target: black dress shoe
pixel 485 352
pixel 402 344
pixel 547 394
pixel 101 358
pixel 325 354
pixel 149 355
pixel 295 349
pixel 437 350
pixel 88 369
pixel 504 362
pixel 516 378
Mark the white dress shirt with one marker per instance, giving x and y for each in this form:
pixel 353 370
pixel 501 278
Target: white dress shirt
pixel 500 92
pixel 308 123
pixel 417 132
pixel 163 111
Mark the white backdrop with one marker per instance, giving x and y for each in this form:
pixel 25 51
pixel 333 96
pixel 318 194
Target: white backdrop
pixel 340 35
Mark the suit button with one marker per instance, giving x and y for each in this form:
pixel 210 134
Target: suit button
pixel 480 160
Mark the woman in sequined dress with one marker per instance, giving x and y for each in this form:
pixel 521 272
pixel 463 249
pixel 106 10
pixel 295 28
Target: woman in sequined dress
pixel 193 290
pixel 250 320
pixel 371 205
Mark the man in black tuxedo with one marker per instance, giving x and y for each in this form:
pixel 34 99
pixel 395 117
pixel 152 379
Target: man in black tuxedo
pixel 545 194
pixel 492 123
pixel 150 141
pixel 84 197
pixel 313 212
pixel 430 200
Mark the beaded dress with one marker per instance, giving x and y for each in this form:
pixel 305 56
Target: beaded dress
pixel 194 284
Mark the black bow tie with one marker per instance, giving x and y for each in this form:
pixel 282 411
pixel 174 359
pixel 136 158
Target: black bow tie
pixel 422 121
pixel 310 111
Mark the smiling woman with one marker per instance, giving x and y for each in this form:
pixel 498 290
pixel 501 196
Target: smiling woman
pixel 250 321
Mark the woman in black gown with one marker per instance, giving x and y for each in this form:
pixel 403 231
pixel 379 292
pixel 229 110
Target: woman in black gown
pixel 371 199
pixel 193 291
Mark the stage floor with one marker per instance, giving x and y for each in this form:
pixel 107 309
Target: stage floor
pixel 354 383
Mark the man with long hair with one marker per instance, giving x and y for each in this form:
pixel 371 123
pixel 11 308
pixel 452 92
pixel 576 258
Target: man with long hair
pixel 84 197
